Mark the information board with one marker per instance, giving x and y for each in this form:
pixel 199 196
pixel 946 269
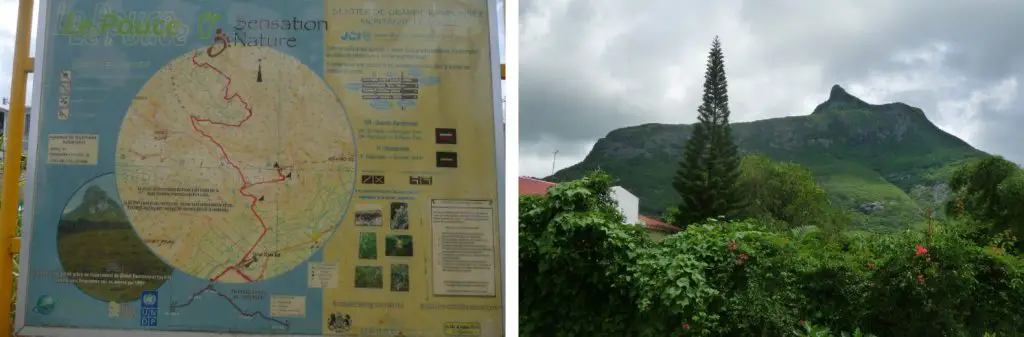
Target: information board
pixel 264 167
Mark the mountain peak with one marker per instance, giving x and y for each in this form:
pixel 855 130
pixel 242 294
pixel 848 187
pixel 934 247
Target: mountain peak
pixel 838 92
pixel 839 99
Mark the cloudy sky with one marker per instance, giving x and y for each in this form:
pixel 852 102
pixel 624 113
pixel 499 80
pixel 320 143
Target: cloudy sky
pixel 590 66
pixel 8 26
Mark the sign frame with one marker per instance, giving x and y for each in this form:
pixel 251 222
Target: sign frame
pixel 21 305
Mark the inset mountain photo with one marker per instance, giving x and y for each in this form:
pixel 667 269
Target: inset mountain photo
pixel 100 251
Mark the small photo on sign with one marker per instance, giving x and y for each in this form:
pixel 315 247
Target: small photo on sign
pixel 398 245
pixel 445 136
pixel 400 277
pixel 369 277
pixel 421 180
pixel 399 216
pixel 447 159
pixel 369 215
pixel 372 179
pixel 367 246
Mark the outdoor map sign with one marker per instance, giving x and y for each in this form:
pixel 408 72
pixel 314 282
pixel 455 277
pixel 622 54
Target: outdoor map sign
pixel 264 168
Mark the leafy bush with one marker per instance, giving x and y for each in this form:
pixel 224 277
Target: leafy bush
pixel 584 273
pixel 783 191
pixel 989 189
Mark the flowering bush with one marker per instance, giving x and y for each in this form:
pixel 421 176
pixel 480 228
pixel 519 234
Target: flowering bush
pixel 583 273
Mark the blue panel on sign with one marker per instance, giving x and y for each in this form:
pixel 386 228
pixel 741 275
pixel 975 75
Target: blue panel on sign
pixel 149 302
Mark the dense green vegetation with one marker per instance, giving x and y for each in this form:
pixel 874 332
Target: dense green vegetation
pixel 868 158
pixel 369 277
pixel 707 174
pixel 398 245
pixel 400 277
pixel 785 195
pixel 79 252
pixel 15 257
pixel 990 190
pixel 584 273
pixel 367 246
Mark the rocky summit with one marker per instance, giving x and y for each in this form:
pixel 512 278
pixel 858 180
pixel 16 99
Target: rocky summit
pixel 868 157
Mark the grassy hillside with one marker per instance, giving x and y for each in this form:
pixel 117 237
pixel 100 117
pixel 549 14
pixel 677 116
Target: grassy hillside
pixel 866 156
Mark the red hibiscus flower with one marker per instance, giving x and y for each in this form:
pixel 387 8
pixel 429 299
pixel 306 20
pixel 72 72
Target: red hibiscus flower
pixel 920 250
pixel 742 257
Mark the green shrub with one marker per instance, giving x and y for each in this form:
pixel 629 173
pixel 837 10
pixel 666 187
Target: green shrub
pixel 584 273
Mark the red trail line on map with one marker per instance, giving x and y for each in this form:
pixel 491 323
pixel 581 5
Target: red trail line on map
pixel 228 97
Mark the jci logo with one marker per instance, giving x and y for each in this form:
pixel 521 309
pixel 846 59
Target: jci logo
pixel 356 36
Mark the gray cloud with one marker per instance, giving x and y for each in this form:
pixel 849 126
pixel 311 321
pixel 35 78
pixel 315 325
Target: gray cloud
pixel 6 61
pixel 588 67
pixel 8 27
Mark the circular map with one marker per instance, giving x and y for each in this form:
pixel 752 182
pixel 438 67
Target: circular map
pixel 235 164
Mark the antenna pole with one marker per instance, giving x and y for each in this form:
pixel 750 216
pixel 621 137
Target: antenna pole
pixel 553 158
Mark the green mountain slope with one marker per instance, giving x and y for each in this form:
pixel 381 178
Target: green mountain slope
pixel 866 156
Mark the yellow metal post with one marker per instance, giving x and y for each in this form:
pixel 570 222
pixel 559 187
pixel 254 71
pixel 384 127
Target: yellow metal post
pixel 12 161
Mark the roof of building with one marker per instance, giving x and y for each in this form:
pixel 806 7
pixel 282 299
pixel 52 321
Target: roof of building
pixel 534 186
pixel 656 224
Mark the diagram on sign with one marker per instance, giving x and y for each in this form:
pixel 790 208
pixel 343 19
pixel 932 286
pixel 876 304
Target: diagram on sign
pixel 230 174
pixel 392 90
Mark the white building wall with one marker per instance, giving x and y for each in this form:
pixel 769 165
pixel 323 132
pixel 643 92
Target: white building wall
pixel 629 204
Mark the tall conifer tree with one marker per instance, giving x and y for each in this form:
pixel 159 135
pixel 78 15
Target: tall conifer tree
pixel 707 174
